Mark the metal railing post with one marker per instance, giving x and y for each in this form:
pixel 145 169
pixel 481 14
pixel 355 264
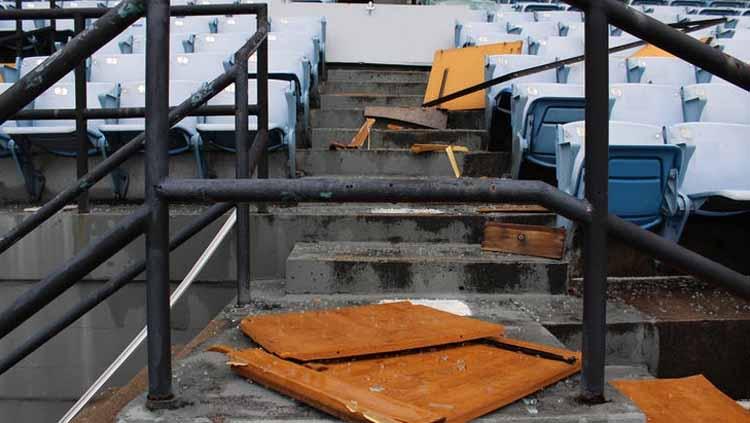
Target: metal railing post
pixel 262 82
pixel 597 180
pixel 242 139
pixel 157 231
pixel 19 31
pixel 82 137
pixel 52 28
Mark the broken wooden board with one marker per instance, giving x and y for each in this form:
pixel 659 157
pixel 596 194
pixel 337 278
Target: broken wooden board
pixel 687 400
pixel 528 240
pixel 456 69
pixel 359 138
pixel 428 148
pixel 370 329
pixel 456 383
pixel 426 117
pixel 511 208
pixel 325 392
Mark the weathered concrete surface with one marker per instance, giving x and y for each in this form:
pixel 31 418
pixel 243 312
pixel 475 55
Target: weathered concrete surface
pixel 273 235
pixel 372 267
pixel 374 87
pixel 377 75
pixel 348 101
pixel 354 118
pixel 399 163
pixel 215 393
pixel 385 138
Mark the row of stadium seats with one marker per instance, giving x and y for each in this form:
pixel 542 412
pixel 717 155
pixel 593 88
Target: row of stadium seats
pixel 202 51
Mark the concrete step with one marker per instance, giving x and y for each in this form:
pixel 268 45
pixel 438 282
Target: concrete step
pixel 386 138
pixel 372 267
pixel 348 101
pixel 386 88
pixel 354 118
pixel 376 75
pixel 397 163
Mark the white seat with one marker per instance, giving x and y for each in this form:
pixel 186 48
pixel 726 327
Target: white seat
pixel 716 103
pixel 117 68
pixel 660 70
pixel 646 103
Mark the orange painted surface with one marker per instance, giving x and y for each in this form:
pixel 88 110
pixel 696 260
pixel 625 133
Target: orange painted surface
pixel 459 68
pixel 687 400
pixel 353 331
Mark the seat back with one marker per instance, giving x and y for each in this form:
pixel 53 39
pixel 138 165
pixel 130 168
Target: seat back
pixel 62 96
pixel 660 70
pixel 575 73
pixel 557 47
pixel 202 67
pixel 558 16
pixel 29 63
pixel 133 94
pixel 192 24
pixel 719 162
pixel 237 23
pixel 504 64
pixel 646 103
pixel 536 30
pixel 716 103
pixel 117 68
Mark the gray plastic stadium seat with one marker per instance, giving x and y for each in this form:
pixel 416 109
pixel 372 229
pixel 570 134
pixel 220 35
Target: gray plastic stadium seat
pixel 202 67
pixel 192 24
pixel 575 73
pixel 117 68
pixel 558 16
pixel 513 17
pixel 136 44
pixel 716 103
pixel 464 30
pixel 660 70
pixel 238 23
pixel 646 103
pixel 557 47
pixel 29 63
pixel 535 30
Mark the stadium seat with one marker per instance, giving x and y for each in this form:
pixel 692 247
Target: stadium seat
pixel 182 137
pixel 575 73
pixel 484 38
pixel 536 111
pixel 503 18
pixel 718 11
pixel 474 29
pixel 666 14
pixel 535 30
pixel 117 68
pixel 136 44
pixel 29 63
pixel 557 47
pixel 192 24
pixel 644 172
pixel 239 23
pixel 219 130
pixel 313 28
pixel 21 154
pixel 202 67
pixel 716 103
pixel 717 180
pixel 558 16
pixel 660 70
pixel 646 103
pixel 529 7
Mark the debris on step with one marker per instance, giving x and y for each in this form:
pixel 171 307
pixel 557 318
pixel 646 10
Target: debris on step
pixel 456 69
pixel 686 400
pixel 419 117
pixel 513 208
pixel 528 240
pixel 359 138
pixel 448 149
pixel 431 366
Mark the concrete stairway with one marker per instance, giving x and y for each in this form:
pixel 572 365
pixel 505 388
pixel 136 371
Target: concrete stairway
pixel 419 249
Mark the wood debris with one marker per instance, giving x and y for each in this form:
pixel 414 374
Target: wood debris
pixel 359 138
pixel 425 117
pixel 528 240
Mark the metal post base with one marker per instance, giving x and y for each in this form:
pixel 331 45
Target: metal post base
pixel 170 403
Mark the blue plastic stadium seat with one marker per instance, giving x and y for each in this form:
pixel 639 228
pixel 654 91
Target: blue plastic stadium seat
pixel 575 73
pixel 558 16
pixel 201 67
pixel 29 63
pixel 192 24
pixel 717 180
pixel 646 103
pixel 312 27
pixel 136 44
pixel 660 70
pixel 536 111
pixel 465 30
pixel 716 103
pixel 644 172
pixel 513 17
pixel 666 14
pixel 219 130
pixel 534 30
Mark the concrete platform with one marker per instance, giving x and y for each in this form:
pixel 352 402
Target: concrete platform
pixel 377 75
pixel 214 393
pixel 354 118
pixel 372 267
pixel 405 138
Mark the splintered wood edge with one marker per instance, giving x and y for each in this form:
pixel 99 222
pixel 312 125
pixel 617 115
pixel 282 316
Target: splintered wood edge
pixel 339 398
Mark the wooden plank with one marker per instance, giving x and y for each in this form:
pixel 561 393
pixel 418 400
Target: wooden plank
pixel 456 69
pixel 462 382
pixel 359 138
pixel 429 117
pixel 452 159
pixel 370 329
pixel 429 148
pixel 687 400
pixel 509 208
pixel 325 392
pixel 529 240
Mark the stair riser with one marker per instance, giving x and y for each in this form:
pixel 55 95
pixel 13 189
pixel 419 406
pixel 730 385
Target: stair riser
pixel 354 118
pixel 344 102
pixel 269 258
pixel 382 88
pixel 366 277
pixel 322 138
pixel 376 76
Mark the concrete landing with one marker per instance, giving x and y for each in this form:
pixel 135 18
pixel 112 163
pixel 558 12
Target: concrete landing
pixel 370 267
pixel 404 138
pixel 355 117
pixel 214 393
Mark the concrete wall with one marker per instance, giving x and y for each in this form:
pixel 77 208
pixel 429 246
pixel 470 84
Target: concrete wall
pixel 44 385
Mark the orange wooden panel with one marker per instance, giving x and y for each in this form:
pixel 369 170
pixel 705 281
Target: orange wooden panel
pixel 530 240
pixel 460 382
pixel 369 329
pixel 459 68
pixel 687 400
pixel 327 393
